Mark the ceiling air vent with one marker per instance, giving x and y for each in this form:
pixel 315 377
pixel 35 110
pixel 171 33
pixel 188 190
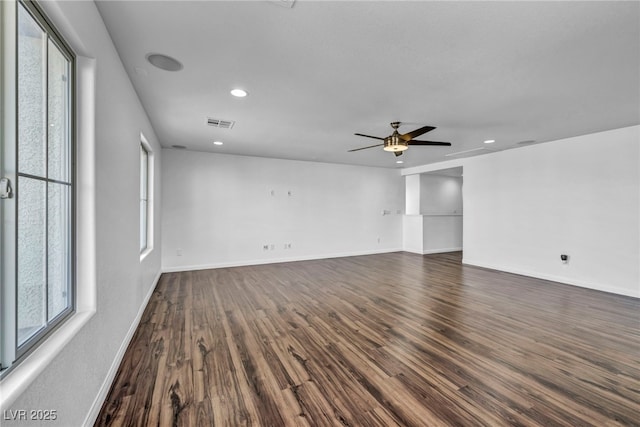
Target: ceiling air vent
pixel 219 123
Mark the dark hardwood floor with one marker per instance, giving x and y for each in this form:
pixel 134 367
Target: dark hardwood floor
pixel 379 340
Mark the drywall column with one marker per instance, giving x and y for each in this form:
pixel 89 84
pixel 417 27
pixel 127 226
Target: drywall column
pixel 412 194
pixel 412 230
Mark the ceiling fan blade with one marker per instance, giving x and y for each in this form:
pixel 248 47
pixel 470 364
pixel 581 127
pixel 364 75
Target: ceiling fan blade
pixel 369 136
pixel 410 135
pixel 445 144
pixel 398 153
pixel 364 148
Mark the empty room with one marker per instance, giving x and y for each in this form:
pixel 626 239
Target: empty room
pixel 319 213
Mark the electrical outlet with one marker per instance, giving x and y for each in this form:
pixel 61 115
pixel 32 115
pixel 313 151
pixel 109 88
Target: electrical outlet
pixel 564 258
pixel 265 247
pixel 272 247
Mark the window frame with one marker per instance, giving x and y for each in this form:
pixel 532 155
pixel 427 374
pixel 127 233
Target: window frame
pixel 12 352
pixel 149 223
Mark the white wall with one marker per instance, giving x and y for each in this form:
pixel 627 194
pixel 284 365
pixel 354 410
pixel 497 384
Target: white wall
pixel 440 194
pixel 578 196
pixel 219 210
pixel 75 378
pixel 441 233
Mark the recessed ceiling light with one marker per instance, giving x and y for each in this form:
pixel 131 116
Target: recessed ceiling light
pixel 490 141
pixel 218 143
pixel 239 93
pixel 399 161
pixel 164 62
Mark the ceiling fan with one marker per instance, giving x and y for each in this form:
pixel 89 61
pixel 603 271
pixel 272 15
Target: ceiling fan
pixel 397 143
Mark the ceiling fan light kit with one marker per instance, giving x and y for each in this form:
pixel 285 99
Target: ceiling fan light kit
pixel 394 143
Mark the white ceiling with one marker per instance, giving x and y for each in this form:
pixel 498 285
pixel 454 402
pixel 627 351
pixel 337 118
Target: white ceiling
pixel 320 71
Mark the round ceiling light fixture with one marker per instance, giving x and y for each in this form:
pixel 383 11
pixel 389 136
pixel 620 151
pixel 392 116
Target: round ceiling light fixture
pixel 239 93
pixel 164 62
pixel 399 162
pixel 218 143
pixel 490 141
pixel 394 143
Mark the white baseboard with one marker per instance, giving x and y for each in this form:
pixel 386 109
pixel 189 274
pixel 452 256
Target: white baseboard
pixel 92 416
pixel 554 278
pixel 441 251
pixel 433 251
pixel 174 269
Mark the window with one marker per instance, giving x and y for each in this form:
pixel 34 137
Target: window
pixel 146 196
pixel 38 221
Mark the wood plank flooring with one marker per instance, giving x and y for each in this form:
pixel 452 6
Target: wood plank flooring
pixel 381 340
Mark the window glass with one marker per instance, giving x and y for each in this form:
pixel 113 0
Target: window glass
pixel 58 248
pixel 32 43
pixel 59 149
pixel 32 261
pixel 144 198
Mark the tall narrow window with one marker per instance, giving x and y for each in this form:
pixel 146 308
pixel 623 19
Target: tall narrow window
pixel 41 152
pixel 145 195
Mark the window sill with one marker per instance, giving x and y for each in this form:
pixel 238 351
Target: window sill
pixel 144 253
pixel 16 381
